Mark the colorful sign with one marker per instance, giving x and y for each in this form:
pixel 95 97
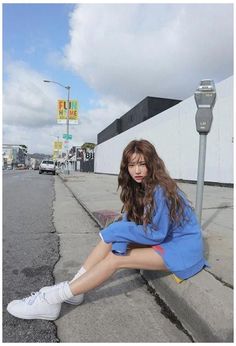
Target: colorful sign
pixel 57 145
pixel 62 112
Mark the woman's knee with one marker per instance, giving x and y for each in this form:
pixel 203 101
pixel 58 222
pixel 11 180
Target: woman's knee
pixel 113 260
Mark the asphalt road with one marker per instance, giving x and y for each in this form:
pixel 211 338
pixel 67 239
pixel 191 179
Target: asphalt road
pixel 30 249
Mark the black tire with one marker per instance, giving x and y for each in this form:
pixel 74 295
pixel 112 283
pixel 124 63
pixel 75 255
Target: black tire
pixel 40 172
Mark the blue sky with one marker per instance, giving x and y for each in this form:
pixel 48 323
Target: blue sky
pixel 112 56
pixel 32 33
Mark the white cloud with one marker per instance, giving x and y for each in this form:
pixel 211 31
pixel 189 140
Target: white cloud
pixel 25 99
pixel 36 139
pixel 130 51
pixel 29 112
pixel 125 52
pixel 95 120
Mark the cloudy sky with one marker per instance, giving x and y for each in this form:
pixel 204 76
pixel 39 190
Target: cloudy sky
pixel 112 56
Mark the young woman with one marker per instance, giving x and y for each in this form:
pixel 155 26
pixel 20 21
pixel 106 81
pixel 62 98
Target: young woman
pixel 156 215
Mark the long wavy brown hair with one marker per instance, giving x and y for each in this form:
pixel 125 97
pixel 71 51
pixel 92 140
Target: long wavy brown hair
pixel 137 198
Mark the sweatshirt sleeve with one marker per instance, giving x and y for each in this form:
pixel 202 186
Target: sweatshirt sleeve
pixel 119 248
pixel 129 232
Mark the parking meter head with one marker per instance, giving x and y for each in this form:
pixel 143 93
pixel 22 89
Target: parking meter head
pixel 205 97
pixel 203 120
pixel 206 85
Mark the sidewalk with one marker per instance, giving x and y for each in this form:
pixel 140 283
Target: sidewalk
pixel 203 303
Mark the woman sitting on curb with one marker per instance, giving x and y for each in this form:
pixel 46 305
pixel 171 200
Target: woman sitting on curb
pixel 157 215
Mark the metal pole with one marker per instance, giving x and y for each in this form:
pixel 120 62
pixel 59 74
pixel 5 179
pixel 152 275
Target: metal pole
pixel 75 158
pixel 67 126
pixel 200 176
pixel 57 146
pixel 67 117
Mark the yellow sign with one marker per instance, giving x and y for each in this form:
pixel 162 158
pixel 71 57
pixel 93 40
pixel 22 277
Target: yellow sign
pixel 62 112
pixel 57 145
pixel 54 156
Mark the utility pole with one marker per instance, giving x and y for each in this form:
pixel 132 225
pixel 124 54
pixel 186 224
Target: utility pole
pixel 67 118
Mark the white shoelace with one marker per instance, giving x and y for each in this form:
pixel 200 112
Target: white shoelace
pixel 31 299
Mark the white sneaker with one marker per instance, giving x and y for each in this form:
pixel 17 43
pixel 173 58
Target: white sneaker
pixel 34 307
pixel 75 300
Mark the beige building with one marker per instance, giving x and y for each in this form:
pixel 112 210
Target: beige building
pixel 13 155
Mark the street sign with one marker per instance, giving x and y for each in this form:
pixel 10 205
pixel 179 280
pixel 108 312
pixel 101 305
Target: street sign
pixel 66 144
pixel 67 137
pixel 57 145
pixel 62 112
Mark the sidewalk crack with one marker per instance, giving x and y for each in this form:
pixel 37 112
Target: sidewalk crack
pixel 166 311
pixel 58 253
pixel 220 207
pixel 220 279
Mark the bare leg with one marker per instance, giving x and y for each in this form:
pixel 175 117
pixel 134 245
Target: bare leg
pixel 143 258
pixel 100 251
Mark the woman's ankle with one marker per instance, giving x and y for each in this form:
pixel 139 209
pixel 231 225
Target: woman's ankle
pixel 78 274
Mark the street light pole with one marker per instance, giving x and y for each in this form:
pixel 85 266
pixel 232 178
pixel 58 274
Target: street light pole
pixel 67 125
pixel 67 117
pixel 57 147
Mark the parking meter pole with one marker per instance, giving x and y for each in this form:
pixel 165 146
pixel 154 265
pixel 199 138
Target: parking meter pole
pixel 200 176
pixel 205 97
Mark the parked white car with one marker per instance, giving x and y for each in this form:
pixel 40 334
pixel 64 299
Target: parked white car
pixel 47 166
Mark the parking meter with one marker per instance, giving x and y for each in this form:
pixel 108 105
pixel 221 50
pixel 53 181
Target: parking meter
pixel 205 97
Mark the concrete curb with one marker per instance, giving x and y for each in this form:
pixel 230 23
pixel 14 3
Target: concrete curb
pixel 196 303
pixel 211 320
pixel 81 203
pixel 201 320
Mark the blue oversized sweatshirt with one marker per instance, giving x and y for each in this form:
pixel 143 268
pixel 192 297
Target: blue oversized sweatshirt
pixel 181 247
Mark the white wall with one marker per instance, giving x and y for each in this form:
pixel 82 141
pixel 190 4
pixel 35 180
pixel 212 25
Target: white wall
pixel 174 135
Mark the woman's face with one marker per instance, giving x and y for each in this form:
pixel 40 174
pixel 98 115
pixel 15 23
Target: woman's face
pixel 137 167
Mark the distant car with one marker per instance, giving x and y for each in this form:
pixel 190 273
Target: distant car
pixel 34 164
pixel 47 166
pixel 20 166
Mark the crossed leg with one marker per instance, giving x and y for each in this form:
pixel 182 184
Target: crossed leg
pixel 96 274
pixel 100 251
